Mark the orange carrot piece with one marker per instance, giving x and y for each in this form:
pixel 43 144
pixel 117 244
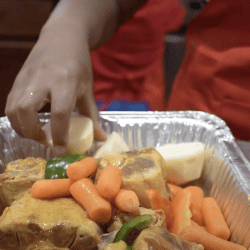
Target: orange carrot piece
pixel 182 213
pixel 109 182
pixel 214 219
pixel 197 195
pixel 209 241
pixel 159 202
pixel 81 169
pixel 174 188
pixel 193 223
pixel 127 201
pixel 51 188
pixel 85 194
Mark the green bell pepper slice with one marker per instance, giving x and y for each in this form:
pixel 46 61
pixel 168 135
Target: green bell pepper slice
pixel 139 222
pixel 56 167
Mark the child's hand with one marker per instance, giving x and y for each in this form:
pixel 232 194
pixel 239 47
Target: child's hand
pixel 58 70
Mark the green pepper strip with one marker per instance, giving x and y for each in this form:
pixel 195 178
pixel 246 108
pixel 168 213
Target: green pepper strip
pixel 139 222
pixel 129 248
pixel 56 167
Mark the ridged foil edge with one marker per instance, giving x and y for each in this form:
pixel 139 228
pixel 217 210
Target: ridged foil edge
pixel 226 175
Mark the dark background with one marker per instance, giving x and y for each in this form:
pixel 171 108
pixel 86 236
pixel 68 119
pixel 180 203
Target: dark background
pixel 20 24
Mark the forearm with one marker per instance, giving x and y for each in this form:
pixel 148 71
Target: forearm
pixel 93 20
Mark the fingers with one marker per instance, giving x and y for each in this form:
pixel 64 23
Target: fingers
pixel 22 114
pixel 62 104
pixel 87 106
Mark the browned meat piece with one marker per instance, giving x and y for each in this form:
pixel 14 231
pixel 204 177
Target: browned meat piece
pixel 62 222
pixel 120 218
pixel 44 245
pixel 141 170
pixel 18 178
pixel 160 239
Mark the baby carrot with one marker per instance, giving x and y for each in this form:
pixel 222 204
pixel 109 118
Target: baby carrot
pixel 51 188
pixel 214 220
pixel 193 223
pixel 174 188
pixel 159 202
pixel 209 241
pixel 196 197
pixel 81 169
pixel 109 182
pixel 182 213
pixel 85 194
pixel 127 201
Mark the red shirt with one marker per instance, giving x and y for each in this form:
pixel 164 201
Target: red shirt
pixel 215 74
pixel 130 65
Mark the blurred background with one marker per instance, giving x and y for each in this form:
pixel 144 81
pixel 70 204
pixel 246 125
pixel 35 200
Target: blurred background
pixel 22 20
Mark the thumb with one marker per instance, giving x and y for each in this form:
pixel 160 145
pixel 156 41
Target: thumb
pixel 87 106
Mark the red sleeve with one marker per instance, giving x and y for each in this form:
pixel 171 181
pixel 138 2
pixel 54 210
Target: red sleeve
pixel 138 45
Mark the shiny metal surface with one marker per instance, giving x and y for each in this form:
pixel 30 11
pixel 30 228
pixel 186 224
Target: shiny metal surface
pixel 226 174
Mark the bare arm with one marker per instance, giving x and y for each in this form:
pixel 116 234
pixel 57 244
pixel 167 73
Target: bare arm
pixel 97 20
pixel 59 70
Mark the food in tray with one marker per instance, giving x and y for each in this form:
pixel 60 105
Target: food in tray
pixel 44 245
pixel 60 221
pixel 120 217
pixel 160 238
pixel 126 196
pixel 113 145
pixel 141 170
pixel 81 134
pixel 184 161
pixel 18 178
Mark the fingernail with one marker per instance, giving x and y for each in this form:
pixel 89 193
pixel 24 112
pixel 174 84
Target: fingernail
pixel 58 151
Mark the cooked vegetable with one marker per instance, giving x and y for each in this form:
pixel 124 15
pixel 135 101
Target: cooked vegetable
pixel 141 170
pixel 162 203
pixel 184 161
pixel 114 145
pixel 193 223
pixel 196 198
pixel 127 201
pixel 85 193
pixel 209 241
pixel 81 169
pixel 139 222
pixel 119 218
pixel 81 134
pixel 56 167
pixel 109 182
pixel 174 188
pixel 50 189
pixel 214 219
pixel 182 213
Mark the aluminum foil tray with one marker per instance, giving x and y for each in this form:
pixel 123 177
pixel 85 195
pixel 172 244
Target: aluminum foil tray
pixel 226 174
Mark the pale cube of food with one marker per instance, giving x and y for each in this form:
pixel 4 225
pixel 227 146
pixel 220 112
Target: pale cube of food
pixel 183 162
pixel 81 134
pixel 114 145
pixel 61 222
pixel 141 170
pixel 19 177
